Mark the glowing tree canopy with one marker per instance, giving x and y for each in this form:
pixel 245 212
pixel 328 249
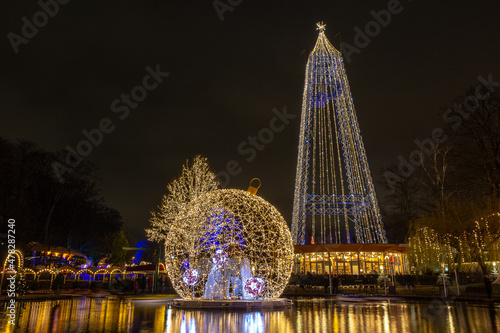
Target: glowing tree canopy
pixel 229 244
pixel 478 242
pixel 335 199
pixel 195 179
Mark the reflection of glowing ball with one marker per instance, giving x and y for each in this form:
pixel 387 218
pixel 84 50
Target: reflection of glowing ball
pixel 255 286
pixel 190 277
pixel 225 234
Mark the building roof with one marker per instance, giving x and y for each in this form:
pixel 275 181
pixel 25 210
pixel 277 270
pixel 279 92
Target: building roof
pixel 369 247
pixel 37 247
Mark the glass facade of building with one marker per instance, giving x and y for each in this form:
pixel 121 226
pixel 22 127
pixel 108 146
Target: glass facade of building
pixel 351 259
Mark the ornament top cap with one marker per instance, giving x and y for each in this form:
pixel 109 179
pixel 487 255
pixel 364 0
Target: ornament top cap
pixel 321 26
pixel 251 189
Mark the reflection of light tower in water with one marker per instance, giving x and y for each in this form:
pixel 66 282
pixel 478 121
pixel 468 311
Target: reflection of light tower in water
pixel 335 199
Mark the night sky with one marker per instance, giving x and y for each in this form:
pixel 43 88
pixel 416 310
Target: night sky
pixel 225 78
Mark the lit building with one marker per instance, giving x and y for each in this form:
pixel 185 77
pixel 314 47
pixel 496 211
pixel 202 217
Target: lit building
pixel 351 259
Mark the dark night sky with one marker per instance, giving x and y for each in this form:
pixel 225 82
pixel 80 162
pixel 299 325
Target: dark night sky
pixel 225 79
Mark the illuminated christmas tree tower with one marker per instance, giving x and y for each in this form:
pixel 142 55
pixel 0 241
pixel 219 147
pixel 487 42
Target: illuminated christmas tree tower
pixel 335 199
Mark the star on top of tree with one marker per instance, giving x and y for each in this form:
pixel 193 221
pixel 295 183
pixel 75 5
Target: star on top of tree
pixel 321 26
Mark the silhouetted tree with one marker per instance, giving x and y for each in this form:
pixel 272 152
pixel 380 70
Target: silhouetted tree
pixel 463 167
pixel 69 213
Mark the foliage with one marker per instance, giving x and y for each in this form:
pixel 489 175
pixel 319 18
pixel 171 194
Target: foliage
pixel 477 142
pixel 404 202
pixel 21 284
pixel 426 280
pixel 67 211
pixel 195 180
pixel 463 163
pixel 428 249
pixel 348 280
pixel 118 254
pixel 459 233
pixel 308 280
pixel 405 280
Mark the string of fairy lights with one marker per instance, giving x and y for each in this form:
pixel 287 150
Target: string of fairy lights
pixel 229 244
pixel 430 250
pixel 333 182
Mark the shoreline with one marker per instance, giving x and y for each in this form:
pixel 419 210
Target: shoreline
pixel 344 297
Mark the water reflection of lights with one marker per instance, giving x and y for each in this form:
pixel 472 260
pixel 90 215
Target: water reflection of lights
pixel 386 317
pixel 185 327
pixel 168 322
pixel 160 318
pixel 107 315
pixel 254 322
pixel 451 324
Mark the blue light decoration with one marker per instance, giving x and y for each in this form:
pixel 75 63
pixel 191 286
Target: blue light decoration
pixel 139 255
pixel 329 90
pixel 334 200
pixel 222 230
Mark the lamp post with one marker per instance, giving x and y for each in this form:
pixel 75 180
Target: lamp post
pixel 385 279
pixel 329 272
pixel 444 283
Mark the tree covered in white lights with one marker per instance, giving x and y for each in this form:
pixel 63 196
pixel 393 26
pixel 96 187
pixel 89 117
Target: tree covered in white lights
pixel 196 179
pixel 461 233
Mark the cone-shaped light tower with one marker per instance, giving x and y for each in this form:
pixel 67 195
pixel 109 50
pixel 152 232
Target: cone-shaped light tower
pixel 335 199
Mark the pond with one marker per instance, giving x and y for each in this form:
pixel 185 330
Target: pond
pixel 307 315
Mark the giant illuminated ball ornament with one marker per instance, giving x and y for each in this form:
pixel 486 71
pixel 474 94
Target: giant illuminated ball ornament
pixel 238 244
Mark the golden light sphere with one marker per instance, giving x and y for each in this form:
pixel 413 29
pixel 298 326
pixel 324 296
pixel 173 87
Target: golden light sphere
pixel 229 244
